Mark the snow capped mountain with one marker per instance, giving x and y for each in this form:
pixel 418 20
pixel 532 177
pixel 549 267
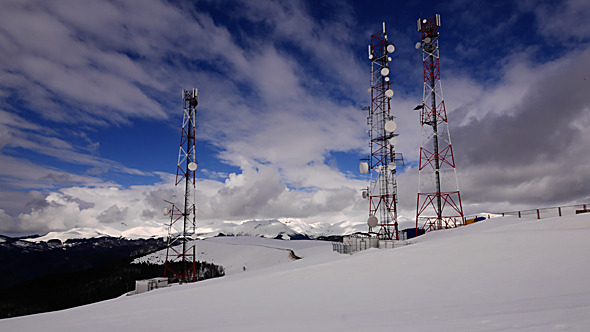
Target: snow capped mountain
pixel 267 228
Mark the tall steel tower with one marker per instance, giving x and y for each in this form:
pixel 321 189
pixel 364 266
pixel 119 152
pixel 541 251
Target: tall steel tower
pixel 439 200
pixel 381 164
pixel 181 252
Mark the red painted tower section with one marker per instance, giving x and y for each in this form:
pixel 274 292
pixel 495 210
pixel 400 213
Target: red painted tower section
pixel 181 252
pixel 382 190
pixel 439 200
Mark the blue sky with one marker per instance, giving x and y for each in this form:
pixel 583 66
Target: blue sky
pixel 90 106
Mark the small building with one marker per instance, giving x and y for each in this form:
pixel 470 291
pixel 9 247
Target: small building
pixel 411 232
pixel 146 285
pixel 360 241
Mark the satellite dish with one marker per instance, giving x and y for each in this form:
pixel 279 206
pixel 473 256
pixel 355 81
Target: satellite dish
pixel 166 211
pixel 365 194
pixel 393 141
pixel 369 90
pixel 424 21
pixel 384 72
pixel 389 93
pixel 387 79
pixel 192 166
pixel 364 168
pixel 370 56
pixel 390 48
pixel 392 166
pixel 390 126
pixel 372 221
pixel 427 40
pixel 418 45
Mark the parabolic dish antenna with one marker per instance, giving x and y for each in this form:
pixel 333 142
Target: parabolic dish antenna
pixel 384 72
pixel 391 166
pixel 388 58
pixel 364 167
pixel 427 40
pixel 389 93
pixel 192 166
pixel 387 79
pixel 390 126
pixel 370 56
pixel 372 221
pixel 418 45
pixel 365 194
pixel 393 141
pixel 390 48
pixel 166 211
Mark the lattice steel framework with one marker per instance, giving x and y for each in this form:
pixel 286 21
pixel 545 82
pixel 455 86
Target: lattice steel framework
pixel 382 190
pixel 439 200
pixel 181 252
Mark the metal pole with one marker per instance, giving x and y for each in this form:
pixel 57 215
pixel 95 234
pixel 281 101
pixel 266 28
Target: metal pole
pixel 435 131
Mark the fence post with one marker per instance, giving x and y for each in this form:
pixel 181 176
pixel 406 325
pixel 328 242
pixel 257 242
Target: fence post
pixel 538 214
pixel 559 209
pixel 519 214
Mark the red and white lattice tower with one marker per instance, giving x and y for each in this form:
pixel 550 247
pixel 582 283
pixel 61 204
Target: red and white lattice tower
pixel 381 164
pixel 181 252
pixel 439 200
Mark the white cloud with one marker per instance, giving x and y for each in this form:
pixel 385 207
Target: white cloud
pixel 275 106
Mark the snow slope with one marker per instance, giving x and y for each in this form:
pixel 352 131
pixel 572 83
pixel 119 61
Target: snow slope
pixel 503 274
pixel 245 253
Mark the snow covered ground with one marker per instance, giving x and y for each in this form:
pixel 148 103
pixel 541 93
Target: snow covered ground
pixel 502 274
pixel 245 253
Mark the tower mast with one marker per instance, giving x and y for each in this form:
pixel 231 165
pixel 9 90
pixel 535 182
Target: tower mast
pixel 181 251
pixel 381 164
pixel 439 200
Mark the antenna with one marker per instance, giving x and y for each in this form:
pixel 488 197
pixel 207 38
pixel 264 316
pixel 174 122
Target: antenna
pixel 382 190
pixel 439 200
pixel 180 262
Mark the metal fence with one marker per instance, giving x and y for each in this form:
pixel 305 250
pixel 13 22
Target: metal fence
pixel 550 212
pixel 342 248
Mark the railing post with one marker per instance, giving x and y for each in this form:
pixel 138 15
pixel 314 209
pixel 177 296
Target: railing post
pixel 559 210
pixel 538 214
pixel 519 214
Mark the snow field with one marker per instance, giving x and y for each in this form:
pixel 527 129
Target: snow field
pixel 504 274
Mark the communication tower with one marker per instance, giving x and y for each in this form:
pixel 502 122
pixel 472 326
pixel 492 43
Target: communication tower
pixel 439 200
pixel 381 163
pixel 181 252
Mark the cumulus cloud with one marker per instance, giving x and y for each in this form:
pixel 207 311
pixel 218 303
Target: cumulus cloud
pixel 281 91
